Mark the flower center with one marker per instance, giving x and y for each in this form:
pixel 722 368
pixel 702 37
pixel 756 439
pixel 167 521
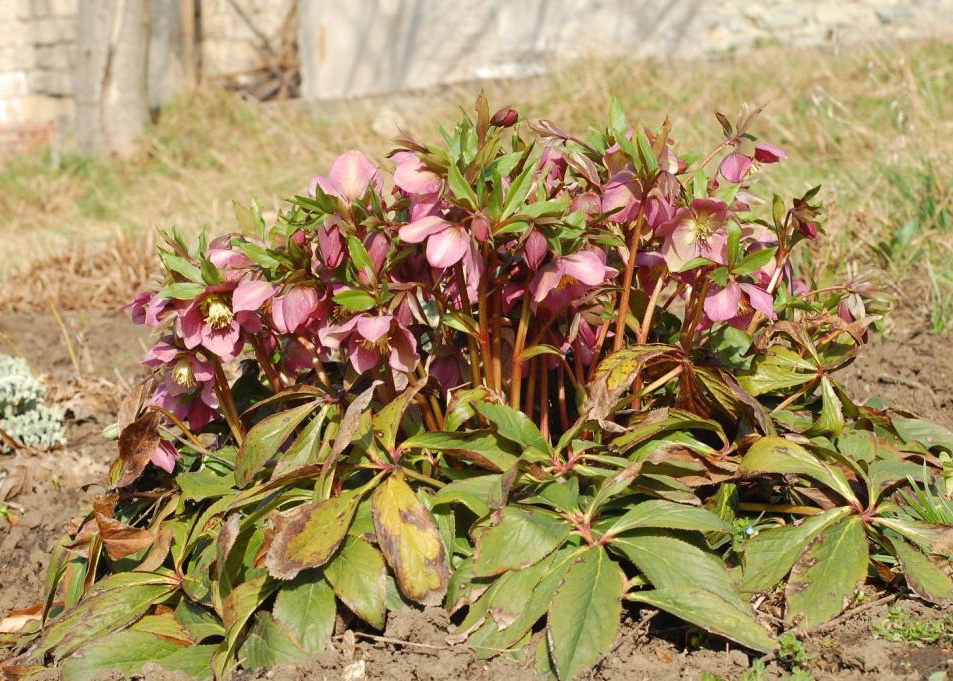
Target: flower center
pixel 218 315
pixel 382 344
pixel 182 373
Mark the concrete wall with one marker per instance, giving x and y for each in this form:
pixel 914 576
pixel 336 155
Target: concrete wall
pixel 359 47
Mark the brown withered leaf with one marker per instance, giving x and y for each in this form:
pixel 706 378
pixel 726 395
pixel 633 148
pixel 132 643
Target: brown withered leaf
pixel 17 619
pixel 18 480
pixel 308 536
pixel 137 444
pixel 132 405
pixel 410 541
pixel 8 440
pixel 120 539
pixel 158 552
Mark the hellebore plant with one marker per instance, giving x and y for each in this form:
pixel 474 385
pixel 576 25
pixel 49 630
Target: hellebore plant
pixel 525 376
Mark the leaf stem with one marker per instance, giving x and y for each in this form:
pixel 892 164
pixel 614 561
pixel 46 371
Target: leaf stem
pixel 780 508
pixel 516 376
pixel 226 401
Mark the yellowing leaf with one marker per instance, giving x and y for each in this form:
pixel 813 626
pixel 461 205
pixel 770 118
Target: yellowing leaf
pixel 410 541
pixel 309 535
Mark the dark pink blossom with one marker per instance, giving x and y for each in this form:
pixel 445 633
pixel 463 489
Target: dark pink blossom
pixel 370 338
pixel 412 175
pixel 734 167
pixel 447 243
pixel 738 299
pixel 293 310
pixel 566 278
pixel 695 232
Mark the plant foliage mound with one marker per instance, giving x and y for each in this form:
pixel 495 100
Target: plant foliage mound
pixel 534 378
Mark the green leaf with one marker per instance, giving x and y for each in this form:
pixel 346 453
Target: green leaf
pixel 204 484
pixel 937 539
pixel 518 190
pixel 359 578
pixel 386 422
pixel 485 449
pixel 307 536
pixel 258 255
pixel 269 643
pixel 584 616
pixel 113 603
pixel 646 152
pixel 665 514
pixel 755 261
pixel 923 577
pixel 410 541
pixel 778 455
pixel 265 438
pixel 929 434
pixel 518 538
pixel 831 419
pixel 237 609
pixel 354 300
pixel 549 208
pixel 671 563
pixel 460 188
pixel 471 492
pixel 541 349
pixel 182 291
pixel 308 611
pixel 198 621
pixel 180 265
pixel 771 554
pixel 615 119
pixel 126 652
pixel 709 611
pixel 513 425
pixel 824 578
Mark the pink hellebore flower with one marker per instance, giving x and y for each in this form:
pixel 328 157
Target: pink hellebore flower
pixel 738 300
pixel 568 277
pixel 736 165
pixel 350 176
pixel 215 319
pixel 412 176
pixel 146 308
pixel 164 456
pixel 188 388
pixel 620 197
pixel 294 309
pixel 370 338
pixel 695 232
pixel 447 243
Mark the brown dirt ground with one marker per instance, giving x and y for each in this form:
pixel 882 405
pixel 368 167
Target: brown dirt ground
pixel 909 369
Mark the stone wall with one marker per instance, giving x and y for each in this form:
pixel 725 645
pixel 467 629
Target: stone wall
pixel 363 47
pixel 37 45
pixel 358 47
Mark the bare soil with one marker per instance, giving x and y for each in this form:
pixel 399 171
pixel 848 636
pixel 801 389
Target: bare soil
pixel 910 369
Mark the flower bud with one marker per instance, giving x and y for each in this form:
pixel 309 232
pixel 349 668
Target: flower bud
pixel 480 227
pixel 505 117
pixel 535 249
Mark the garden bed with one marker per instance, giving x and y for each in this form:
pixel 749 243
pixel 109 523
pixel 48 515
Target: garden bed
pixel 908 369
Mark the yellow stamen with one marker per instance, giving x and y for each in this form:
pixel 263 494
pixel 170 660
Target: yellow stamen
pixel 218 314
pixel 182 373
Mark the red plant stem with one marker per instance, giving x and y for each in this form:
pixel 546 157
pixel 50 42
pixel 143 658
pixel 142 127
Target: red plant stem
pixel 561 393
pixel 775 278
pixel 465 309
pixel 543 398
pixel 428 415
pixel 274 378
pixel 698 299
pixel 530 405
pixel 623 309
pixel 650 311
pixel 497 338
pixel 226 401
pixel 516 376
pixel 714 151
pixel 600 341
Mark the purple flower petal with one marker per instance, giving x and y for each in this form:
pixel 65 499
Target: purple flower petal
pixel 418 230
pixel 534 249
pixel 734 167
pixel 768 153
pixel 292 310
pixel 585 266
pixel 447 247
pixel 723 305
pixel 760 299
pixel 162 352
pixel 225 342
pixel 351 174
pixel 191 321
pixel 331 246
pixel 373 328
pixel 546 280
pixel 164 456
pixel 403 350
pixel 251 294
pixel 363 359
pixel 412 175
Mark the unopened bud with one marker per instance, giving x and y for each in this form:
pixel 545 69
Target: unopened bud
pixel 480 227
pixel 505 117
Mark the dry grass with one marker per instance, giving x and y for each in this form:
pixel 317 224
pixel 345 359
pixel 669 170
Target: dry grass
pixel 874 125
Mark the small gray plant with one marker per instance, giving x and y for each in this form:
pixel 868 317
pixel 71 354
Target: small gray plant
pixel 23 415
